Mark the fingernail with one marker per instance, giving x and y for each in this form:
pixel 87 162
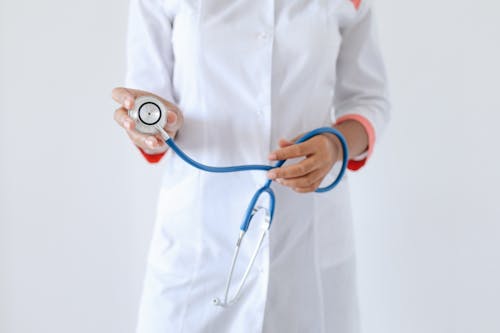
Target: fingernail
pixel 272 156
pixel 271 175
pixel 150 142
pixel 128 103
pixel 127 123
pixel 279 180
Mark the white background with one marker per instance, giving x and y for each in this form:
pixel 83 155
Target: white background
pixel 77 203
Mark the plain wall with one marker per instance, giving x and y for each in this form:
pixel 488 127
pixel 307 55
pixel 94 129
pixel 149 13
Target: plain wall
pixel 77 202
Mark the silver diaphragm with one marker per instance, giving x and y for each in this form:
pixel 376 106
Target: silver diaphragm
pixel 148 113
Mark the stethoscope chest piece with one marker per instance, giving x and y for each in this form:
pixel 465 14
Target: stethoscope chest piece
pixel 148 113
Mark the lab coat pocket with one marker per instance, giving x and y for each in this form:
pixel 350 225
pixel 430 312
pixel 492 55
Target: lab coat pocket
pixel 333 225
pixel 176 241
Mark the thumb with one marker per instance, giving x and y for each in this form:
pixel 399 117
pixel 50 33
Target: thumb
pixel 171 120
pixel 124 96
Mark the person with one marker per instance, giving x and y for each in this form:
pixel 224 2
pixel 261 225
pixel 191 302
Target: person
pixel 242 79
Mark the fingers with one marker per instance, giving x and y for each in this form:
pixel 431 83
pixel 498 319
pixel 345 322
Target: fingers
pixel 295 170
pixel 303 177
pixel 124 96
pixel 319 153
pixel 307 189
pixel 171 121
pixel 284 143
pixel 149 143
pixel 292 151
pixel 305 181
pixel 122 118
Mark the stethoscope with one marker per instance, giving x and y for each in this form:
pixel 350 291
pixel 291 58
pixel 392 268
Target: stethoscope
pixel 150 116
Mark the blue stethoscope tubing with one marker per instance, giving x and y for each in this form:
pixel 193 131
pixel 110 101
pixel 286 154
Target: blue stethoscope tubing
pixel 252 209
pixel 150 116
pixel 253 167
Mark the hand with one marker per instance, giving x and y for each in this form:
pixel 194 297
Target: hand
pixel 150 144
pixel 320 153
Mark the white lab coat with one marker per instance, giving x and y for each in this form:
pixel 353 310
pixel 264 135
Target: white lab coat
pixel 246 73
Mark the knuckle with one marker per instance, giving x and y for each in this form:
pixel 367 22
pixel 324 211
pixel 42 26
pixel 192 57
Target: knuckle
pixel 325 138
pixel 119 93
pixel 308 182
pixel 301 168
pixel 131 136
pixel 137 138
pixel 322 142
pixel 301 183
pixel 117 114
pixel 141 143
pixel 285 182
pixel 120 116
pixel 308 189
pixel 325 144
pixel 312 164
pixel 289 172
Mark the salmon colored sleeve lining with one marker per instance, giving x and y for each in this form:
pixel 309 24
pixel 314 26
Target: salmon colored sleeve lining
pixel 356 3
pixel 356 164
pixel 151 158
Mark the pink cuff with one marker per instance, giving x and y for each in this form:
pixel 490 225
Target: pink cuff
pixel 356 3
pixel 355 164
pixel 151 158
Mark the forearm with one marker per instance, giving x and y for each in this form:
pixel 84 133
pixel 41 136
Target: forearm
pixel 355 135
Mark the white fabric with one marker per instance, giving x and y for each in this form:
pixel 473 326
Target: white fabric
pixel 246 73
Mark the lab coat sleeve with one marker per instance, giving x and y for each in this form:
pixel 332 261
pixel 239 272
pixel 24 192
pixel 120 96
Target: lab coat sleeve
pixel 149 51
pixel 361 85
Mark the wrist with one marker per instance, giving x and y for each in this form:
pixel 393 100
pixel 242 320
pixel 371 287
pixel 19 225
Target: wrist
pixel 355 137
pixel 336 146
